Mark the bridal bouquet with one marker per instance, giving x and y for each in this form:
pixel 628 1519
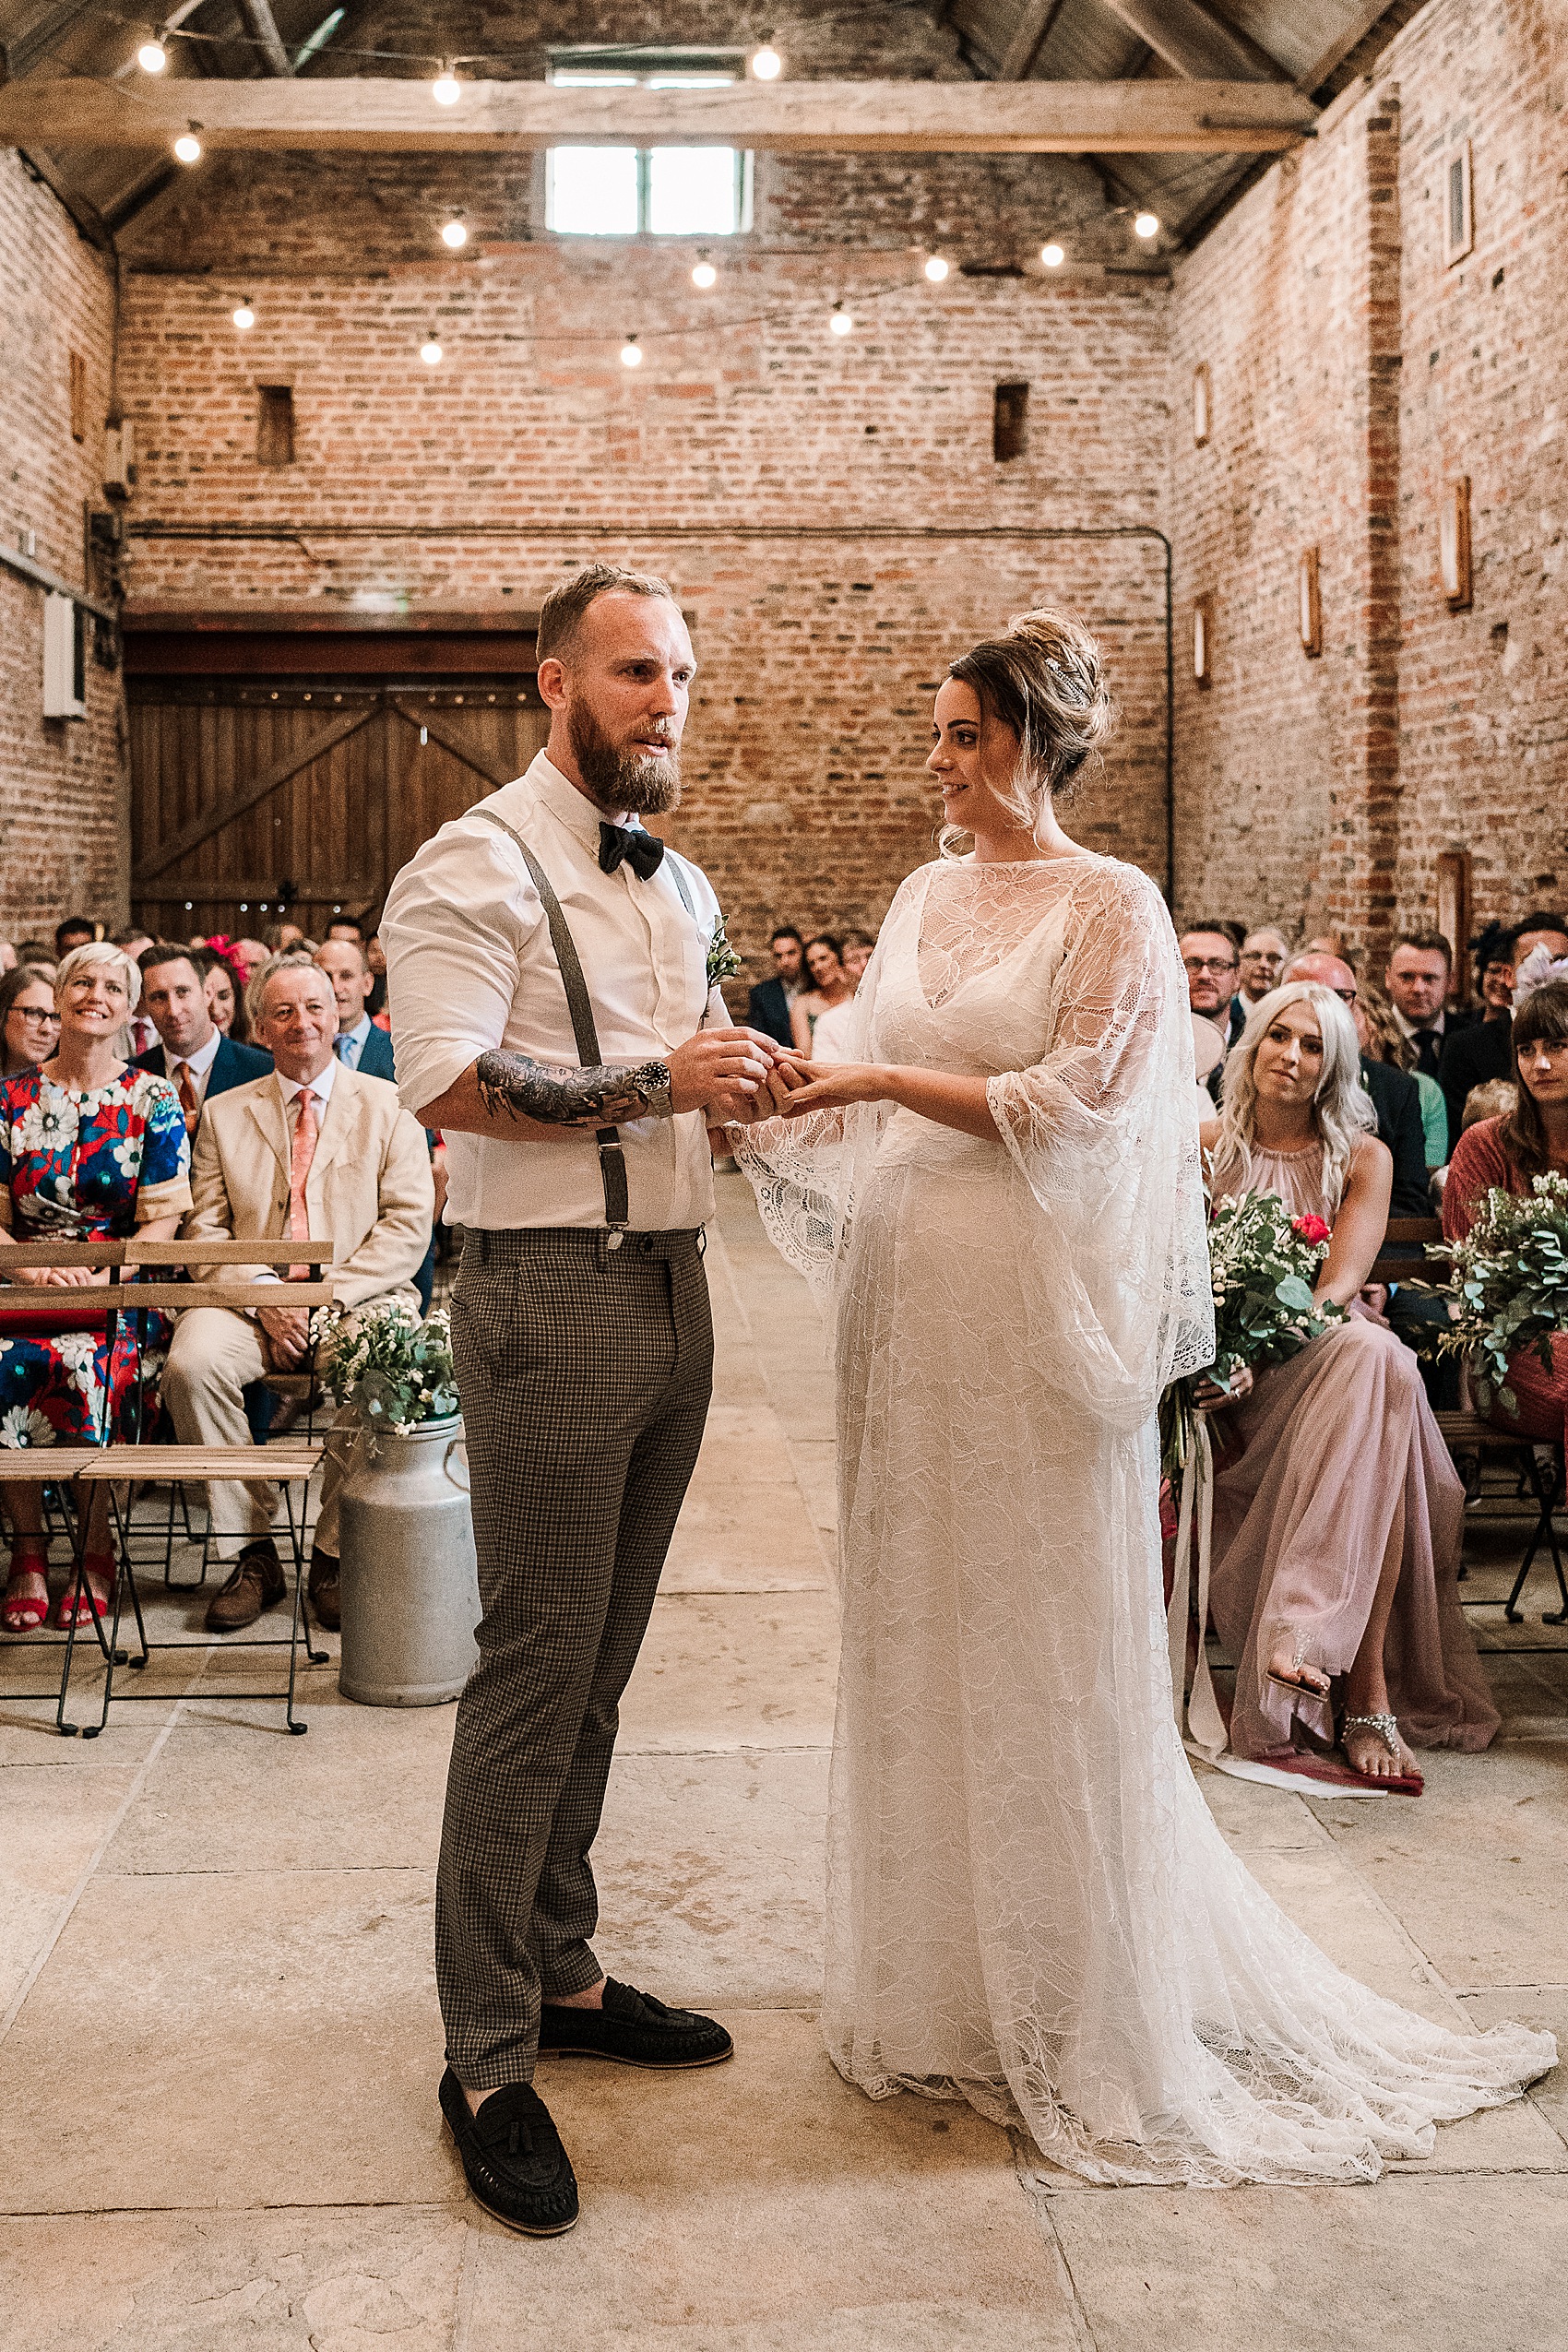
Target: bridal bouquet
pixel 1509 1286
pixel 1263 1263
pixel 396 1370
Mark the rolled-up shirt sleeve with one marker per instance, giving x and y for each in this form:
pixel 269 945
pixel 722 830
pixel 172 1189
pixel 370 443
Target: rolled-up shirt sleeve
pixel 457 922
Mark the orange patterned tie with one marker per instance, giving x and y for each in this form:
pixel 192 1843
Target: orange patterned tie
pixel 188 1102
pixel 299 1169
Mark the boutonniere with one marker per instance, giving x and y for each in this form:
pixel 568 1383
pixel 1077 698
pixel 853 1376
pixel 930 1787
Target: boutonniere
pixel 722 961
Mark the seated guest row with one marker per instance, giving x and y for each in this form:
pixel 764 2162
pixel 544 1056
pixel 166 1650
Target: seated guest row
pixel 94 1148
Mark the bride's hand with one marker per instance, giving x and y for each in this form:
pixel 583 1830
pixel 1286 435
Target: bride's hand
pixel 840 1084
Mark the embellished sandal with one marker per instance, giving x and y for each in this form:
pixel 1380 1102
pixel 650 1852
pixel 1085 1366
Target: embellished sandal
pixel 23 1612
pixel 1398 1784
pixel 1294 1683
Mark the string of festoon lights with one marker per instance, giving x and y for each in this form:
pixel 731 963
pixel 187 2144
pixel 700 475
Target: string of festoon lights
pixel 765 65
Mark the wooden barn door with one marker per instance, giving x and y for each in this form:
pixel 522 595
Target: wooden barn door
pixel 273 771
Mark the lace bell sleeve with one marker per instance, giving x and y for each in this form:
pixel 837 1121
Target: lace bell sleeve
pixel 1103 1130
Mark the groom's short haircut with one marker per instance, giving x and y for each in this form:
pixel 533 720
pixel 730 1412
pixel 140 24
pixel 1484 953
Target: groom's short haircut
pixel 561 614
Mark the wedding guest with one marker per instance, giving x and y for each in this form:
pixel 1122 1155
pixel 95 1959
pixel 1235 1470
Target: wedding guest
pixel 29 1022
pixel 248 956
pixel 768 1004
pixel 1494 1101
pixel 359 1043
pixel 37 951
pixel 192 1052
pixel 1383 1040
pixel 74 931
pixel 313 1149
pixel 1395 1097
pixel 1338 1517
pixel 280 939
pixel 830 985
pixel 141 1032
pixel 1258 966
pixel 1510 1152
pixel 345 927
pixel 375 956
pixel 1417 979
pixel 224 989
pixel 1484 1051
pixel 7 956
pixel 1208 958
pixel 94 1149
pixel 831 1036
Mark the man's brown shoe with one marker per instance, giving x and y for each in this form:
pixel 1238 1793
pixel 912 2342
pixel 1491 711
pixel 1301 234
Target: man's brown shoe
pixel 321 1583
pixel 257 1583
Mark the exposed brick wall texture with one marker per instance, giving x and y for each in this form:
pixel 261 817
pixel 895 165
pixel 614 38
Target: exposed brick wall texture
pixel 1355 375
pixel 530 450
pixel 62 788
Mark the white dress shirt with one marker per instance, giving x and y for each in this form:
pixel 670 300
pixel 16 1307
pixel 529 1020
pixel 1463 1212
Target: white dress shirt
pixel 321 1086
pixel 200 1063
pixel 469 966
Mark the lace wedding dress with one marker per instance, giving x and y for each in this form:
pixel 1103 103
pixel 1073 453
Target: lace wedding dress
pixel 1030 1905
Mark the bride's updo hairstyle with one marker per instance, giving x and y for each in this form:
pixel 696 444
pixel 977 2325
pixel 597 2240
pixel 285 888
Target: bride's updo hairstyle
pixel 1044 679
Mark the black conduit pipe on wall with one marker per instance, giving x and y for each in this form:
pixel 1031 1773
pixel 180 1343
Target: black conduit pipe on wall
pixel 695 533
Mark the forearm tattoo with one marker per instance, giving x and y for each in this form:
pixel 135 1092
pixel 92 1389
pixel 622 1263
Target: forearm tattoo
pixel 558 1097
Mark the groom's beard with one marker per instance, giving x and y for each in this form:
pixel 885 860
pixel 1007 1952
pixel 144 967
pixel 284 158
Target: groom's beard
pixel 620 779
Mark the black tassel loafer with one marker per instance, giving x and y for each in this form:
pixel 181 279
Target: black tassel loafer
pixel 513 2157
pixel 635 2030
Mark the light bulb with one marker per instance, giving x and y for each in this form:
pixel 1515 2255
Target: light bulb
pixel 188 148
pixel 430 352
pixel 454 235
pixel 1147 224
pixel 767 65
pixel 1052 256
pixel 152 56
pixel 631 353
pixel 936 269
pixel 244 317
pixel 840 323
pixel 446 89
pixel 705 275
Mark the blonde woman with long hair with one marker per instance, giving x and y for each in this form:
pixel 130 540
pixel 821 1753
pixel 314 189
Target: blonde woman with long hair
pixel 1030 1905
pixel 1338 1517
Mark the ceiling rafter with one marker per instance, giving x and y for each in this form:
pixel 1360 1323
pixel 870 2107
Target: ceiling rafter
pixel 1195 43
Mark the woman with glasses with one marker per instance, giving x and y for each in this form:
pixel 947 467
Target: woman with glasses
pixel 91 1149
pixel 28 1023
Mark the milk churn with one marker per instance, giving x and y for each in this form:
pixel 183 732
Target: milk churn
pixel 409 1580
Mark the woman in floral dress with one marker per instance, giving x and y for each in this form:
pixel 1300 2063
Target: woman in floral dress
pixel 92 1149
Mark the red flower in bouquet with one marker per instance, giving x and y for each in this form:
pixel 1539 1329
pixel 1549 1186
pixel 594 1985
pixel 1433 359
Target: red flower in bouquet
pixel 1312 1230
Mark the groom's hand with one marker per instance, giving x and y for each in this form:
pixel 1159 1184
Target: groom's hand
pixel 719 1072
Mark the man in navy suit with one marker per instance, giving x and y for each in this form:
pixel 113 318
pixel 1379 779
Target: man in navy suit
pixel 767 1007
pixel 360 1043
pixel 192 1052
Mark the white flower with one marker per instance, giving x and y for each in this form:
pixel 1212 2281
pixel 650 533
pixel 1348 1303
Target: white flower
pixel 128 1155
pixel 75 1350
pixel 48 1125
pixel 22 1426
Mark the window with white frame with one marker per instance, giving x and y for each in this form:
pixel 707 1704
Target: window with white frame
pixel 657 191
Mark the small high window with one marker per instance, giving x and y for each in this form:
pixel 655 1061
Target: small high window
pixel 659 191
pixel 274 425
pixel 1010 422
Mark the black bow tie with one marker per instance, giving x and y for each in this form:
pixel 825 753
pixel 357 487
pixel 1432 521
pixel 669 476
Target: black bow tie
pixel 644 852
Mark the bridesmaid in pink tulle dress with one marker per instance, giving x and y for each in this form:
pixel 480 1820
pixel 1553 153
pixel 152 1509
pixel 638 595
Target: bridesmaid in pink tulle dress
pixel 1337 1513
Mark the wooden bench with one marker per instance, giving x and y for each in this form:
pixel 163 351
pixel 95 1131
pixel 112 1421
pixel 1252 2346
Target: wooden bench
pixel 123 1464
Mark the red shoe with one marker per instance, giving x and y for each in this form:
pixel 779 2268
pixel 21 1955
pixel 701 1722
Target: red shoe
pixel 80 1606
pixel 24 1612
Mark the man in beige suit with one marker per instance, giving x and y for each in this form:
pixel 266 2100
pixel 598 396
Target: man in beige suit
pixel 314 1150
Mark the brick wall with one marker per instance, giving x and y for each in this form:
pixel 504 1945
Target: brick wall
pixel 62 788
pixel 530 450
pixel 1354 376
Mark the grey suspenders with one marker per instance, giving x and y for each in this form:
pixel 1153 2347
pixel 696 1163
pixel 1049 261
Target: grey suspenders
pixel 612 1156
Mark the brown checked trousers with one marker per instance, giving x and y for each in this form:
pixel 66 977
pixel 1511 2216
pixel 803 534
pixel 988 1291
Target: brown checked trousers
pixel 585 1373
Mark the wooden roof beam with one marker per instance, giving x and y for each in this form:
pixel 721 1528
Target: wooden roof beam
pixel 1195 43
pixel 326 114
pixel 257 15
pixel 1028 38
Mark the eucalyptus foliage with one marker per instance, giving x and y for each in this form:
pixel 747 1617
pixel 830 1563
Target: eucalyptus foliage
pixel 393 1369
pixel 1508 1289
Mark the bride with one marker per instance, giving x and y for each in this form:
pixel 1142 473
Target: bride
pixel 1030 1905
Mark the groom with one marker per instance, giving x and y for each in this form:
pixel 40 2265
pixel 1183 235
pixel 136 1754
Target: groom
pixel 547 972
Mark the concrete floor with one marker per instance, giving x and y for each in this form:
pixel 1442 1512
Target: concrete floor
pixel 221 2045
